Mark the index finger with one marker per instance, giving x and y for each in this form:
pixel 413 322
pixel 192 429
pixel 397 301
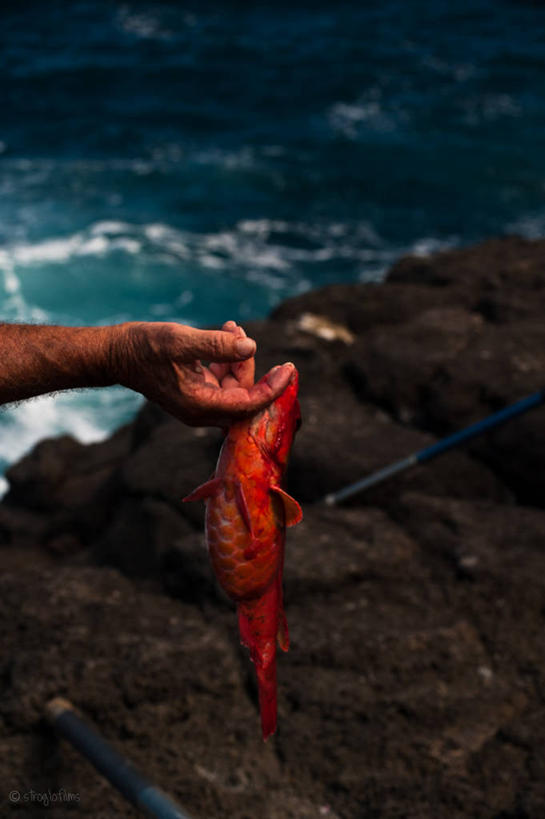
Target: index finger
pixel 243 371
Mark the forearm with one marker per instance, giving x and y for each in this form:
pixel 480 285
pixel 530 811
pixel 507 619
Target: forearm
pixel 37 359
pixel 160 360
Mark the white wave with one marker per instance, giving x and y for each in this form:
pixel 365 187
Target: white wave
pixel 159 158
pixel 318 232
pixel 210 261
pixel 264 253
pixel 132 246
pixel 428 245
pixel 377 261
pixel 530 226
pixel 251 244
pixel 247 253
pixel 54 250
pixel 490 108
pixel 242 159
pixel 270 252
pixel 274 247
pixel 455 70
pixel 156 232
pixel 12 285
pixel 13 306
pixel 26 424
pixel 262 227
pixel 38 170
pixel 495 106
pixel 110 226
pixel 88 415
pixel 99 239
pixel 367 112
pixel 145 25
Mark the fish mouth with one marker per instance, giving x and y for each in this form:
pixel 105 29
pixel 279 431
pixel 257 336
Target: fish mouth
pixel 274 428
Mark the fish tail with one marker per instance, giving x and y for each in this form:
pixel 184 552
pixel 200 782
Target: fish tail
pixel 261 621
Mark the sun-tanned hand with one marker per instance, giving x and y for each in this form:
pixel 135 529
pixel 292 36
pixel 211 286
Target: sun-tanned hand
pixel 158 359
pixel 171 373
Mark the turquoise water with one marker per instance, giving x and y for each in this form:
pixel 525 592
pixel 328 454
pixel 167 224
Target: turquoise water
pixel 204 163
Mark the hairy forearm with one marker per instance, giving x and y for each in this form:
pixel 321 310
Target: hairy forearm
pixel 160 360
pixel 37 359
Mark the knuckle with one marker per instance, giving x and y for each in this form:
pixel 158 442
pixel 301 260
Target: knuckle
pixel 216 345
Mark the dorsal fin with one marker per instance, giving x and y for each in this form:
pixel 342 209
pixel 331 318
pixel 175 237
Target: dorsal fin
pixel 293 512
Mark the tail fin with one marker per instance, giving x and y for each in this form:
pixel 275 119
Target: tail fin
pixel 260 622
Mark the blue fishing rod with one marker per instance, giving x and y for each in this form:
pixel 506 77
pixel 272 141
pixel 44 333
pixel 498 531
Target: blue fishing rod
pixel 117 770
pixel 494 420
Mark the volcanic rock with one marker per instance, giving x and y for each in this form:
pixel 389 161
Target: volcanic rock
pixel 415 678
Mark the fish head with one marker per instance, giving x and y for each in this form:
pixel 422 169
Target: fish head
pixel 274 427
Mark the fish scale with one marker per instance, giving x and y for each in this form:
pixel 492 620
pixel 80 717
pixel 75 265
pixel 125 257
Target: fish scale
pixel 225 527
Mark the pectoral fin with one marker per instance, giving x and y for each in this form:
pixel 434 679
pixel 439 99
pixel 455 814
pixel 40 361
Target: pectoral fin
pixel 293 512
pixel 204 491
pixel 282 634
pixel 242 506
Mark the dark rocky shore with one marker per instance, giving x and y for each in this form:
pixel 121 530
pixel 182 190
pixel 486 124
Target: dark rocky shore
pixel 415 684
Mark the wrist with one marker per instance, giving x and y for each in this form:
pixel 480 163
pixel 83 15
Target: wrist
pixel 136 348
pixel 122 346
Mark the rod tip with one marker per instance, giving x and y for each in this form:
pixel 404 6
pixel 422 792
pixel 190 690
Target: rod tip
pixel 55 707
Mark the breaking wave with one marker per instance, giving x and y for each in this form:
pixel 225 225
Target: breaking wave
pixel 191 165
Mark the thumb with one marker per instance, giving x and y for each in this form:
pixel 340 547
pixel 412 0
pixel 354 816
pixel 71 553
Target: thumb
pixel 219 345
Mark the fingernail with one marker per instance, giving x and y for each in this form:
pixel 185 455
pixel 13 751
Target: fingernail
pixel 245 346
pixel 278 374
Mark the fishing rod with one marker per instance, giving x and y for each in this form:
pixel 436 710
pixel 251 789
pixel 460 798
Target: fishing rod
pixel 116 768
pixel 438 448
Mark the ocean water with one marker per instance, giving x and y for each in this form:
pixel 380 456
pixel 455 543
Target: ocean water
pixel 203 161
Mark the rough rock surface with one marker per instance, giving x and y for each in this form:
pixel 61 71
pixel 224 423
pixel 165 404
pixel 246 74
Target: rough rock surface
pixel 415 684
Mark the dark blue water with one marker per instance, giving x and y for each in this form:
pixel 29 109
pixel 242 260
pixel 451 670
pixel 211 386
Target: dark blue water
pixel 203 161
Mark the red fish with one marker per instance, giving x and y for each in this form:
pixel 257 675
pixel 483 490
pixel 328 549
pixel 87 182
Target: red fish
pixel 247 512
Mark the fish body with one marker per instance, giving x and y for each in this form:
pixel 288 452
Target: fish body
pixel 247 512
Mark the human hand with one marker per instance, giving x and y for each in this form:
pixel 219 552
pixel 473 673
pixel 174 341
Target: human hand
pixel 161 360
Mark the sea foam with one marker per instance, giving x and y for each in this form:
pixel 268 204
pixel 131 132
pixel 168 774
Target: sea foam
pixel 88 416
